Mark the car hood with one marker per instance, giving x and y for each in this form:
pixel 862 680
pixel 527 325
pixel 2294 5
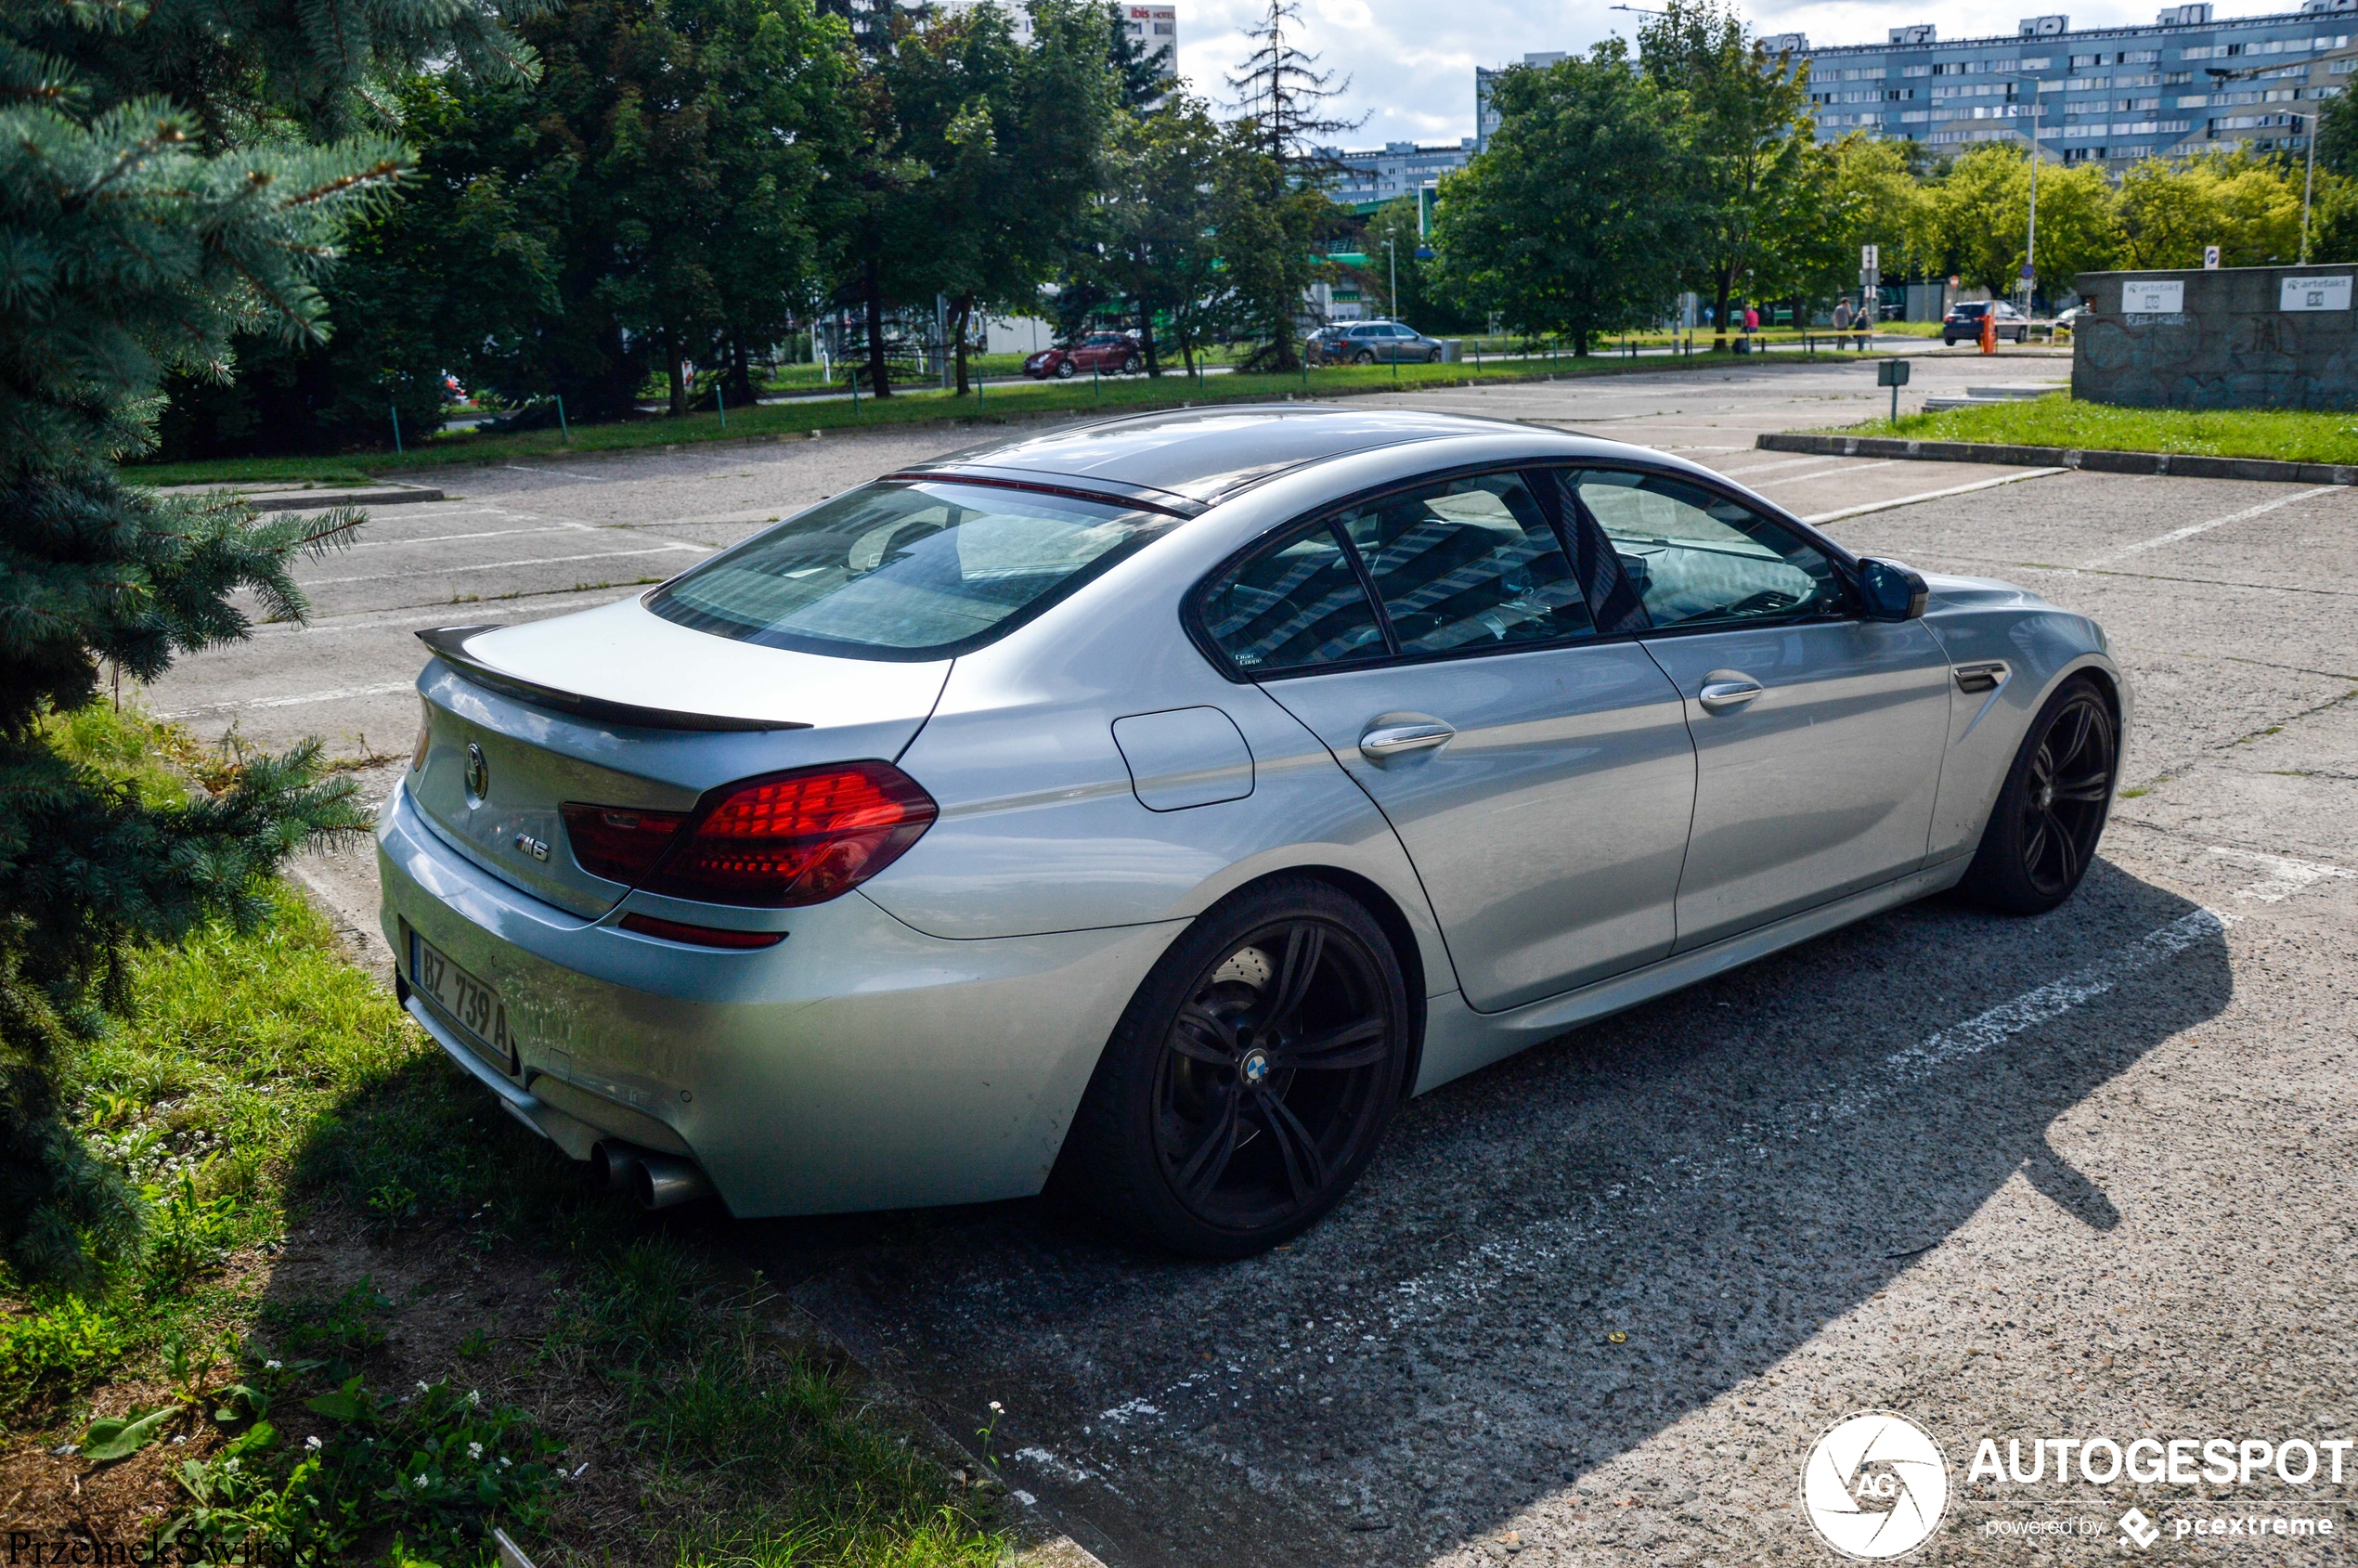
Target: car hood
pixel 1975 594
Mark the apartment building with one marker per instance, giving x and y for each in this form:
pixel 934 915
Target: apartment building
pixel 1156 27
pixel 2187 83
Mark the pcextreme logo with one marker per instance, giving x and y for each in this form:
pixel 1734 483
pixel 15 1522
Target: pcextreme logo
pixel 1874 1486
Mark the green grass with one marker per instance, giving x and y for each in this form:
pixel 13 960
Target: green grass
pixel 253 471
pixel 261 1083
pixel 2059 420
pixel 789 420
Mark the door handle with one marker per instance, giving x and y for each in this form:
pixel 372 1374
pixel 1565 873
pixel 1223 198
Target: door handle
pixel 1391 740
pixel 1726 689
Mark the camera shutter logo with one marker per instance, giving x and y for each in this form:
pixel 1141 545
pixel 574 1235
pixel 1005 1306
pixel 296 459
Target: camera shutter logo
pixel 1874 1486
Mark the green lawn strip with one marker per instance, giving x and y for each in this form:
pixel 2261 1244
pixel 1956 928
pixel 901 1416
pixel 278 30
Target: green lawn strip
pixel 1079 396
pixel 264 1082
pixel 251 471
pixel 2058 420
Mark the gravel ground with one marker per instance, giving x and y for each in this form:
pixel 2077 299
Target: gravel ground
pixel 2087 1175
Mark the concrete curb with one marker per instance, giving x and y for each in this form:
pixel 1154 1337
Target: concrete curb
pixel 320 500
pixel 2181 465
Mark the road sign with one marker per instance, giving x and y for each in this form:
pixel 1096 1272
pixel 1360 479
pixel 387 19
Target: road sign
pixel 2027 274
pixel 2210 258
pixel 1869 265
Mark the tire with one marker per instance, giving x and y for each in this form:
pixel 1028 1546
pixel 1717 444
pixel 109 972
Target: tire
pixel 1434 358
pixel 1067 369
pixel 2044 829
pixel 1365 356
pixel 1130 365
pixel 1204 1129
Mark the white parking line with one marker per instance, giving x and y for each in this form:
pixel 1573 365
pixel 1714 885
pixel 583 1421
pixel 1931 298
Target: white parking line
pixel 1771 467
pixel 2192 528
pixel 496 566
pixel 1831 473
pixel 337 695
pixel 2285 876
pixel 1935 495
pixel 486 534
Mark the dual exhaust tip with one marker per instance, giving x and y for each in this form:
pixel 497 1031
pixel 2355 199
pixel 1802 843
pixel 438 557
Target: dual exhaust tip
pixel 658 1181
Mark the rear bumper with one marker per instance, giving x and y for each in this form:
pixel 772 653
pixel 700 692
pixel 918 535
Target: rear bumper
pixel 858 1064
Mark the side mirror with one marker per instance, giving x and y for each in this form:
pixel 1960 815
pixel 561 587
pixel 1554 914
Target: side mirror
pixel 1893 592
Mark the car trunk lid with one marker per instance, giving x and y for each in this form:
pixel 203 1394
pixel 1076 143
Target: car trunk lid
pixel 617 706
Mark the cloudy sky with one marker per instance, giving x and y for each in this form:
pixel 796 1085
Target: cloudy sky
pixel 1411 62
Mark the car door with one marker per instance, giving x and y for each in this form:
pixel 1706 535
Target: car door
pixel 1819 733
pixel 1439 641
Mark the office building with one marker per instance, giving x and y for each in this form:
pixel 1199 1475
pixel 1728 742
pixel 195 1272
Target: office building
pixel 1373 176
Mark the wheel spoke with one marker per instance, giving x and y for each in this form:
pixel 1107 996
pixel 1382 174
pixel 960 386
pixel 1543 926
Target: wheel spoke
pixel 2036 850
pixel 1203 1037
pixel 2066 848
pixel 2082 715
pixel 1354 1044
pixel 1305 1168
pixel 1305 945
pixel 2087 788
pixel 1210 1161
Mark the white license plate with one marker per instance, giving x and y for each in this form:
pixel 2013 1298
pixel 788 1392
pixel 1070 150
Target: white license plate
pixel 474 1006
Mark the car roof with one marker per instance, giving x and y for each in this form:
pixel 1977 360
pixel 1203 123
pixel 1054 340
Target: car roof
pixel 1200 454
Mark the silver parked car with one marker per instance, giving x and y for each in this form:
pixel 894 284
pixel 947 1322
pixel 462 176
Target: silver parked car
pixel 1370 342
pixel 1150 806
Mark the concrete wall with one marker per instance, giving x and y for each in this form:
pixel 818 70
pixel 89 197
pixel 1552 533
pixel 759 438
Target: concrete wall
pixel 2232 343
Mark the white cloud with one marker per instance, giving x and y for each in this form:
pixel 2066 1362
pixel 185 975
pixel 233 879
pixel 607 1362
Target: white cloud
pixel 1411 62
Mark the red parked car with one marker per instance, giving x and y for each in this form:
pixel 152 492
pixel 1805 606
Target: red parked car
pixel 1113 354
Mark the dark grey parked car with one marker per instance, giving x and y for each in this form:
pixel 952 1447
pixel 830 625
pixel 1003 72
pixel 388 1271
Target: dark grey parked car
pixel 1370 342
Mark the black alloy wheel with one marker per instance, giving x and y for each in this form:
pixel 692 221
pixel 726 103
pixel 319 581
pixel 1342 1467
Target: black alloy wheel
pixel 2044 828
pixel 1250 1079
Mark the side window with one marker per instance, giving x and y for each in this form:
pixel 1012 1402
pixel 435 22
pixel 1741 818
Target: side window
pixel 1468 563
pixel 1297 605
pixel 1696 557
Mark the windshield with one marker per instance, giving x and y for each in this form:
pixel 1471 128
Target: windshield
pixel 906 571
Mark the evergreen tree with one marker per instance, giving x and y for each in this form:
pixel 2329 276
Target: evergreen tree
pixel 166 180
pixel 1280 89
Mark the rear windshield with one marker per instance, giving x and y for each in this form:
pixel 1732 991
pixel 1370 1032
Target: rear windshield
pixel 924 570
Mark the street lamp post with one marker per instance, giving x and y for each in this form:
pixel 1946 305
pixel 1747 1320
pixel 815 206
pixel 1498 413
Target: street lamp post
pixel 2030 242
pixel 1391 255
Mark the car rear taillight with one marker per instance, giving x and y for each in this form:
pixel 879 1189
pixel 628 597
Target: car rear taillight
pixel 795 838
pixel 617 842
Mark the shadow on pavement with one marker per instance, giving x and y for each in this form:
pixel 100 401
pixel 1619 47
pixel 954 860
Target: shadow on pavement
pixel 1714 1178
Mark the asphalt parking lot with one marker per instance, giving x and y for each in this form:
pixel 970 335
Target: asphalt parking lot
pixel 2085 1175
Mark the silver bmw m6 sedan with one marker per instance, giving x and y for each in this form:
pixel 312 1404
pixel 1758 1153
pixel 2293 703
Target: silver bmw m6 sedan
pixel 1149 807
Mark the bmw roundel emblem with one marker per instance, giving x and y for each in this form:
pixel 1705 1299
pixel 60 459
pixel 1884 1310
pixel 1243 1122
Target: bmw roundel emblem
pixel 478 775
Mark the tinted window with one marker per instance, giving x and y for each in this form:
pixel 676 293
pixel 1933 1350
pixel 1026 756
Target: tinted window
pixel 1298 605
pixel 1468 563
pixel 1694 556
pixel 905 570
